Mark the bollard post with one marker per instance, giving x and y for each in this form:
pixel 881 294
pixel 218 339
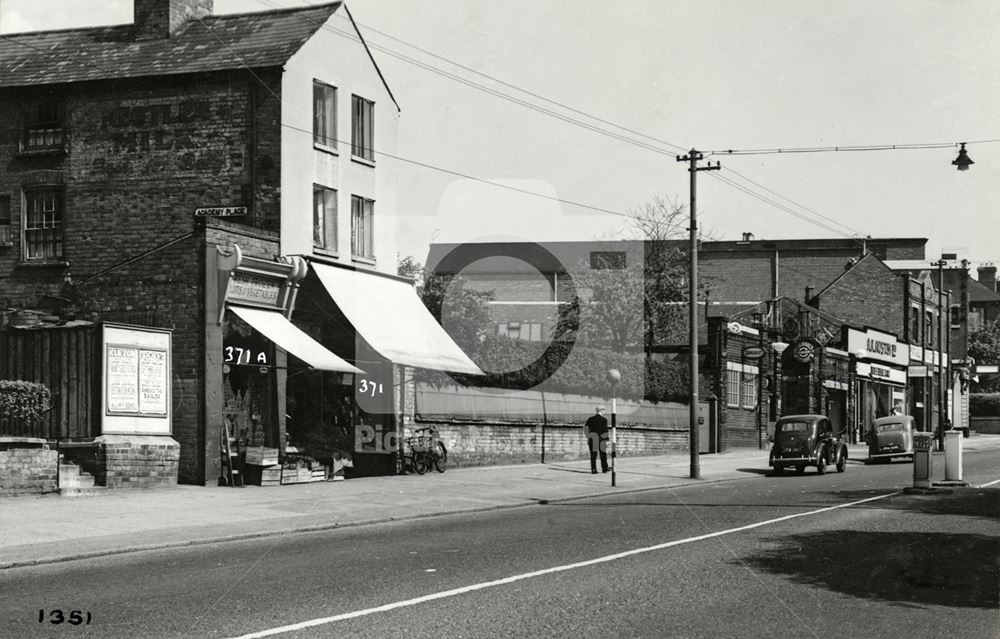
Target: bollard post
pixel 922 459
pixel 953 455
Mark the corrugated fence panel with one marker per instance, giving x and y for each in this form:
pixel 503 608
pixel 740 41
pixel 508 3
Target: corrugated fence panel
pixel 495 404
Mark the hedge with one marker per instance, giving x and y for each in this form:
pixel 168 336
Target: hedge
pixel 23 400
pixel 984 404
pixel 568 368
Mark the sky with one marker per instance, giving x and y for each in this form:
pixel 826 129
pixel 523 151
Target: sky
pixel 615 90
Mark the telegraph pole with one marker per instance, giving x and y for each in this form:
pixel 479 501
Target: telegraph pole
pixel 692 159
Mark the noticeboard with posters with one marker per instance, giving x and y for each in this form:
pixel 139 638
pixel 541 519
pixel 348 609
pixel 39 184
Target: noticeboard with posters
pixel 135 393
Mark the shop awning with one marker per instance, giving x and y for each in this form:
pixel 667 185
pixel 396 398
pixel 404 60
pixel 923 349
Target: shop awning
pixel 291 339
pixel 390 316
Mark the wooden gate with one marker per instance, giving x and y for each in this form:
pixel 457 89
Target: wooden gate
pixel 65 359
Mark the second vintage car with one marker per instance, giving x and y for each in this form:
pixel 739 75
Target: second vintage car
pixel 806 440
pixel 890 437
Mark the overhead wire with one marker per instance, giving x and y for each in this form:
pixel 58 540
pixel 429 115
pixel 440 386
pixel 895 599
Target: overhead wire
pixel 628 140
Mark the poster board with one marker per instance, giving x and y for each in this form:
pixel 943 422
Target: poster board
pixel 136 370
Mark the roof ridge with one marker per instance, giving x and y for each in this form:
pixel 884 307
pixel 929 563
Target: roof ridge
pixel 212 17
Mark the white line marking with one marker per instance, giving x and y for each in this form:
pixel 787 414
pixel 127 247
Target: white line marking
pixel 538 573
pixel 995 481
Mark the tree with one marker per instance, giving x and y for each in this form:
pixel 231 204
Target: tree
pixel 638 305
pixel 464 313
pixel 411 268
pixel 984 348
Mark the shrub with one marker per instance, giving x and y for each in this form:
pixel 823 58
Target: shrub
pixel 984 404
pixel 23 400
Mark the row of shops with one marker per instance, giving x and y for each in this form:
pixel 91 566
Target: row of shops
pixel 343 400
pixel 785 358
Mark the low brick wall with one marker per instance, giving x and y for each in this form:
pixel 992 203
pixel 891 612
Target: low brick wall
pixel 124 461
pixel 487 444
pixel 27 471
pixel 986 425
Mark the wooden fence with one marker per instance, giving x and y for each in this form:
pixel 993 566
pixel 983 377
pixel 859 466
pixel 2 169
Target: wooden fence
pixel 65 359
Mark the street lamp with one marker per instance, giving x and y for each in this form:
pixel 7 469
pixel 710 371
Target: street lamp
pixel 963 160
pixel 614 376
pixel 778 348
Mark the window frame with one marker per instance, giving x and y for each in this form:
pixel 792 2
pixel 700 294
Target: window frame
pixel 6 222
pixel 362 128
pixel 748 388
pixel 327 137
pixel 366 208
pixel 328 234
pixel 733 387
pixel 37 120
pixel 608 260
pixel 56 227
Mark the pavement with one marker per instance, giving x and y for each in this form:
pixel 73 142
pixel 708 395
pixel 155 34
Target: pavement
pixel 46 529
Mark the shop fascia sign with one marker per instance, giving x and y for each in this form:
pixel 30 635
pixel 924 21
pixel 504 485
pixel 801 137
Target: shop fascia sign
pixel 878 346
pixel 878 372
pixel 256 282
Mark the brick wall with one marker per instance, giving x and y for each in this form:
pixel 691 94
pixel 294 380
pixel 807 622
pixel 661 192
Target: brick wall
pixel 128 461
pixel 486 444
pixel 26 471
pixel 869 294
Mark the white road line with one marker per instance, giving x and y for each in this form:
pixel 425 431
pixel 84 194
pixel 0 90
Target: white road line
pixel 538 573
pixel 995 481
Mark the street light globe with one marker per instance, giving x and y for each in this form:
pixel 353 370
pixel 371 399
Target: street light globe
pixel 613 376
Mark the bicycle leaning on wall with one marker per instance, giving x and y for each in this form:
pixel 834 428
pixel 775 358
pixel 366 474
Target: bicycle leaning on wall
pixel 427 451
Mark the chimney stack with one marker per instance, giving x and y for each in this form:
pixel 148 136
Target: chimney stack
pixel 157 19
pixel 988 275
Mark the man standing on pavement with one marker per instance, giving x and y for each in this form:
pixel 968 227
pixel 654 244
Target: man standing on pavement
pixel 596 430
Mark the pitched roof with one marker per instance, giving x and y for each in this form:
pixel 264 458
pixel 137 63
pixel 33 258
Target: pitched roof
pixel 868 257
pixel 979 292
pixel 213 43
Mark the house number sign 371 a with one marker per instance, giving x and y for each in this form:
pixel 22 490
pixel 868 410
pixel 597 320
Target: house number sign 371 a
pixel 244 355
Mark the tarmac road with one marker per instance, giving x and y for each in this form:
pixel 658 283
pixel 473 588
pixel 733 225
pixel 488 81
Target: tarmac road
pixel 820 556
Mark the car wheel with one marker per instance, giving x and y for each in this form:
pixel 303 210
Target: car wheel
pixel 801 468
pixel 842 463
pixel 821 464
pixel 779 469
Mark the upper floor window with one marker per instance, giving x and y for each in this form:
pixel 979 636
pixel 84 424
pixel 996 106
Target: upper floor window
pixel 955 315
pixel 43 224
pixel 43 127
pixel 362 128
pixel 324 217
pixel 5 234
pixel 527 331
pixel 607 259
pixel 362 227
pixel 324 114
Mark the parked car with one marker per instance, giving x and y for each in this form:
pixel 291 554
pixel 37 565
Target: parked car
pixel 890 437
pixel 806 440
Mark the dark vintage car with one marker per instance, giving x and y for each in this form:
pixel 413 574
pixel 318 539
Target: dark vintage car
pixel 890 437
pixel 806 440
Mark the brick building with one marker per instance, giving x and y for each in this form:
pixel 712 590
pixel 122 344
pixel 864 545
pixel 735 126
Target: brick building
pixel 214 176
pixel 817 297
pixel 531 281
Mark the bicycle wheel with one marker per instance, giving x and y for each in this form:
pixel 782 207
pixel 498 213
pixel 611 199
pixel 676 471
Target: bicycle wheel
pixel 419 462
pixel 441 458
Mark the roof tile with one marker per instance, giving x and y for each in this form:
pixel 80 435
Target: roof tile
pixel 212 43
